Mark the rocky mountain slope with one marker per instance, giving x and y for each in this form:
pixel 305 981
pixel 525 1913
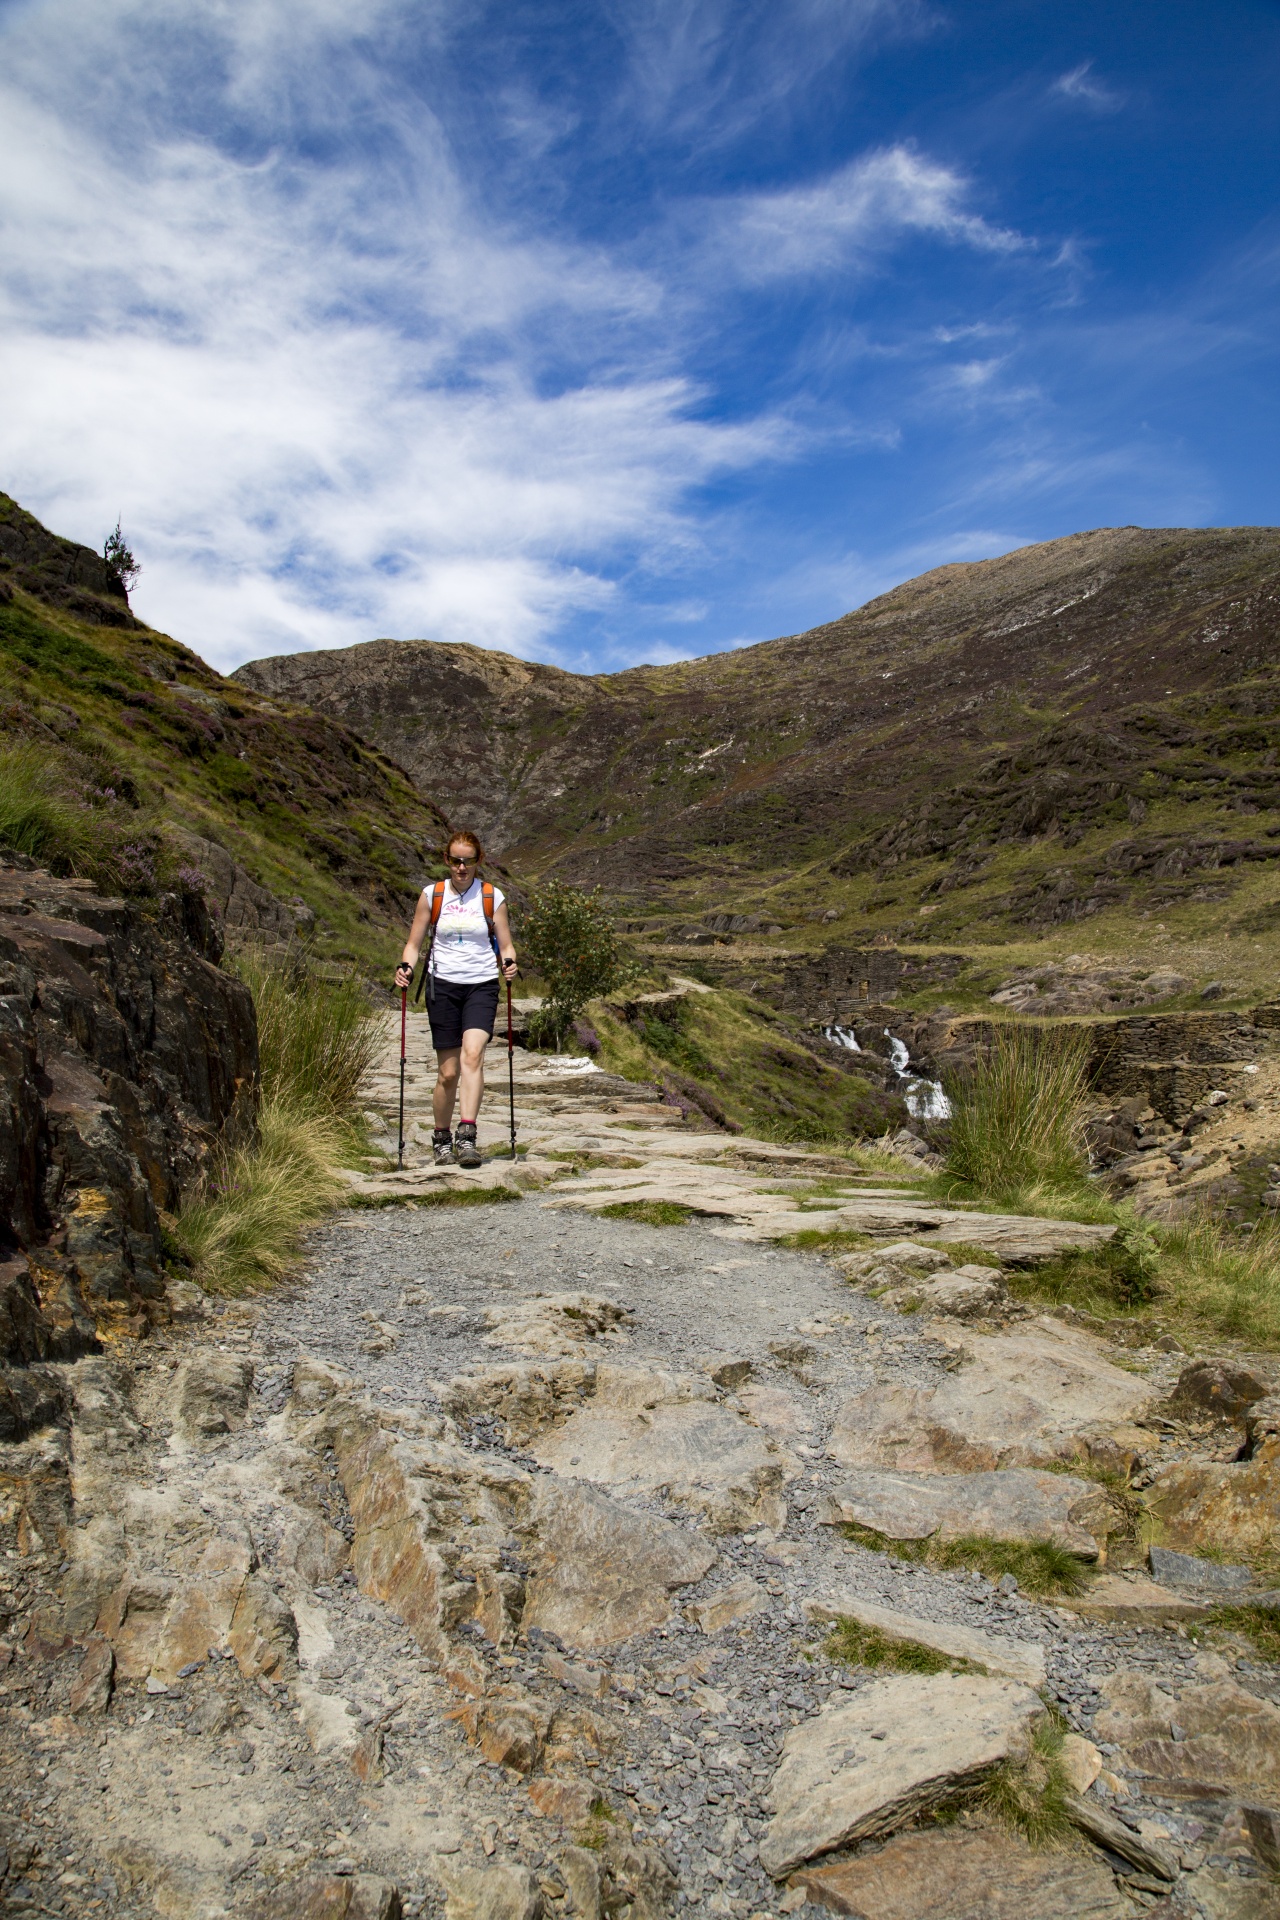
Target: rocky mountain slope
pixel 290 819
pixel 1015 742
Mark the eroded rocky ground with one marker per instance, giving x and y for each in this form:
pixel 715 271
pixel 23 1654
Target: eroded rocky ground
pixel 489 1569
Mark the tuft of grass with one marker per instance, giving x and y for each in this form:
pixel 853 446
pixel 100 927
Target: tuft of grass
pixel 241 1232
pixel 1040 1567
pixel 652 1213
pixel 1017 1117
pixel 317 1038
pixel 814 1240
pixel 861 1646
pixel 1030 1795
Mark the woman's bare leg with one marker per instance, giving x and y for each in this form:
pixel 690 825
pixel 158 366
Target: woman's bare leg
pixel 471 1077
pixel 446 1087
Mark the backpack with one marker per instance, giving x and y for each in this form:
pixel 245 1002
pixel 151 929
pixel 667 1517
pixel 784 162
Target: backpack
pixel 437 902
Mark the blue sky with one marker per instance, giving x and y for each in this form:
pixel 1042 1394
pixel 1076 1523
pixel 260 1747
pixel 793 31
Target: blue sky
pixel 620 330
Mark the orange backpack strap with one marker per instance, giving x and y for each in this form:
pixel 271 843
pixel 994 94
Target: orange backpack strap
pixel 486 901
pixel 437 901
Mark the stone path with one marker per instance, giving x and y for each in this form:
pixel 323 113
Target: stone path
pixel 489 1571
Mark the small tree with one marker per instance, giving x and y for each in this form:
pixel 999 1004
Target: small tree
pixel 120 559
pixel 566 936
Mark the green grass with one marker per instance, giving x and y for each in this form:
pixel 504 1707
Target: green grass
pixel 651 1213
pixel 317 1038
pixel 861 1646
pixel 1029 1795
pixel 1041 1567
pixel 1255 1624
pixel 1017 1122
pixel 242 1231
pixel 838 1240
pixel 1200 1275
pixel 75 828
pixel 447 1197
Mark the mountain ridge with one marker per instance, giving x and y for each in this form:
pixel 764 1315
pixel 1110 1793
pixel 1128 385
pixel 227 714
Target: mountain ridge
pixel 691 785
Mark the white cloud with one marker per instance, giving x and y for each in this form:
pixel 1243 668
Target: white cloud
pixel 249 304
pixel 1080 85
pixel 837 222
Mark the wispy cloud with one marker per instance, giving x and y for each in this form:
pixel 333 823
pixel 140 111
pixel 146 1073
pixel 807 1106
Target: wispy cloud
pixel 1080 85
pixel 840 221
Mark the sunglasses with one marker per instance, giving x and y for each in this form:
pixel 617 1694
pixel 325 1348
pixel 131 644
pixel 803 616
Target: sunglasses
pixel 461 860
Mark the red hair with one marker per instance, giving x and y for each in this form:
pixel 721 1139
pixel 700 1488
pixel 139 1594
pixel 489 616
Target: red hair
pixel 468 839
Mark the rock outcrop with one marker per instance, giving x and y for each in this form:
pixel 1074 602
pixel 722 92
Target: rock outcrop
pixel 126 1054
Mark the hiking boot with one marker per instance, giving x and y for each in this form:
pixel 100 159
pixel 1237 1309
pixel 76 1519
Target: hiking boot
pixel 466 1152
pixel 442 1147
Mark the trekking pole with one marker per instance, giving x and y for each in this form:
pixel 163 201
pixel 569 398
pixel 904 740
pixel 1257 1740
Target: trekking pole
pixel 404 1015
pixel 511 1076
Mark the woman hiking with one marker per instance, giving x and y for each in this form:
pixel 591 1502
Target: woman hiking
pixel 463 943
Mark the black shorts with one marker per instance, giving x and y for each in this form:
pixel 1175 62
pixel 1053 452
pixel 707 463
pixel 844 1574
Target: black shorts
pixel 458 1005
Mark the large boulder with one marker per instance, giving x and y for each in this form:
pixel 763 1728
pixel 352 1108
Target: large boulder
pixel 1020 1398
pixel 1232 1506
pixel 899 1747
pixel 602 1572
pixel 1208 1740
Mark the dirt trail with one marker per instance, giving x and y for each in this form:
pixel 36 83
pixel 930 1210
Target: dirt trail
pixel 491 1566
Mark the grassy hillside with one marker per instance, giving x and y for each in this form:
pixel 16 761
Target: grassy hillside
pixel 143 735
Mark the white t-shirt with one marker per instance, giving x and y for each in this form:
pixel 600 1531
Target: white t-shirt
pixel 462 950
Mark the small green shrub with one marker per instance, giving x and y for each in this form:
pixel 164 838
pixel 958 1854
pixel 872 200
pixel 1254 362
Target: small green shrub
pixel 566 936
pixel 1017 1117
pixel 1259 1626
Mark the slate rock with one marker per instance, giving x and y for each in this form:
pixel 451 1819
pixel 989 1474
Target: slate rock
pixel 646 1432
pixel 601 1572
pixel 1016 1659
pixel 1016 1504
pixel 738 1601
pixel 356 1896
pixel 1128 1600
pixel 898 1747
pixel 1226 1388
pixel 1186 1570
pixel 211 1393
pixel 1021 1397
pixel 552 1324
pixel 980 1874
pixel 91 1688
pixel 1230 1739
pixel 1231 1505
pixel 491 1893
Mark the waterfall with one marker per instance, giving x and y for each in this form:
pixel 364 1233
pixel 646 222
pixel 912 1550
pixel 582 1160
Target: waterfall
pixel 925 1098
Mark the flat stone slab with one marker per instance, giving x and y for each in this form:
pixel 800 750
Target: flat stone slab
pixel 897 1748
pixel 646 1432
pixel 603 1573
pixel 1016 1659
pixel 1135 1602
pixel 1019 1398
pixel 958 1875
pixel 1207 1740
pixel 1015 1504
